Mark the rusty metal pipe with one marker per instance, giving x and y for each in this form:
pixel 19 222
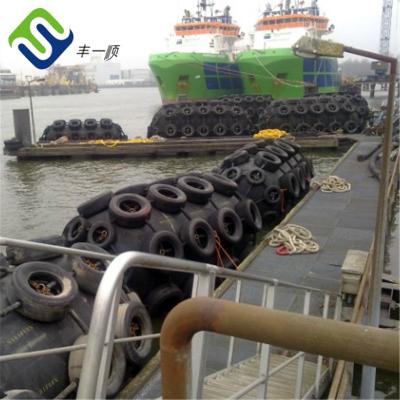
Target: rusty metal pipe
pixel 340 340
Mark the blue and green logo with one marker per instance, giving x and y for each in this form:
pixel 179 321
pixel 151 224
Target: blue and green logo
pixel 40 38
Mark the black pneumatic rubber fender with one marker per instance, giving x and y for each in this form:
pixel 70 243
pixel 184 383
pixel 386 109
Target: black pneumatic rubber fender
pixel 162 299
pixel 95 204
pixel 197 190
pixel 166 197
pixel 221 184
pixel 250 215
pixel 198 236
pixel 165 243
pixel 76 230
pixel 36 305
pixel 88 272
pixel 101 233
pixel 228 225
pixel 134 320
pixel 129 210
pixel 140 188
pixel 117 368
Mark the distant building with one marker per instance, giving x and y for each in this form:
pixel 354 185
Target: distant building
pixel 8 83
pixel 137 75
pixel 101 72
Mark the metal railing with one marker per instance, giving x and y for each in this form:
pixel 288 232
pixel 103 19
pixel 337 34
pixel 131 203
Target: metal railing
pixel 96 363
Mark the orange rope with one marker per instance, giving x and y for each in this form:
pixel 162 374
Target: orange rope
pixel 218 249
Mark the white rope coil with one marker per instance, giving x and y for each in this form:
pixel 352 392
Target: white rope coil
pixel 331 184
pixel 295 239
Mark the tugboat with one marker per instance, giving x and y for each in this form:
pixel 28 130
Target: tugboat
pixel 271 67
pixel 199 61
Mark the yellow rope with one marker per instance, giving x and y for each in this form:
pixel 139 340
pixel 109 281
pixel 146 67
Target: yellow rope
pixel 270 134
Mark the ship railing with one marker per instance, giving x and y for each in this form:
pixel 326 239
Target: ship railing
pixel 97 359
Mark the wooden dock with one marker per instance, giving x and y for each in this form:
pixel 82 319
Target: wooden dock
pixel 168 148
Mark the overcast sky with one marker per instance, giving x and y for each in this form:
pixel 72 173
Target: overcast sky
pixel 140 27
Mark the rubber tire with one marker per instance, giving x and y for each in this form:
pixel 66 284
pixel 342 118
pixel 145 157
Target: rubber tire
pixel 189 232
pixel 88 278
pixel 125 315
pixel 171 131
pixel 135 219
pixel 197 190
pixel 74 124
pixel 188 130
pixel 59 125
pixel 106 123
pixel 221 184
pixel 95 204
pixel 278 151
pixel 272 195
pixel 290 182
pixel 203 130
pixel 219 129
pixel 232 173
pixel 165 236
pixel 286 147
pixel 219 222
pixel 117 368
pixel 161 201
pixel 162 296
pixel 76 230
pixel 256 176
pixel 250 215
pixel 140 188
pixel 267 161
pixel 37 306
pixel 90 124
pixel 106 227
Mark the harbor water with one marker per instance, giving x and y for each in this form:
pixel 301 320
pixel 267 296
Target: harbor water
pixel 38 198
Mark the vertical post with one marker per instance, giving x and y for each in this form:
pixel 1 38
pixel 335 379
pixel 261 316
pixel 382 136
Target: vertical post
pixel 203 284
pixel 300 363
pixel 369 373
pixel 320 358
pixel 105 363
pixel 232 339
pixel 266 349
pixel 31 108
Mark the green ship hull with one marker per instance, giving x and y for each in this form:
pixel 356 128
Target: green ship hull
pixel 275 72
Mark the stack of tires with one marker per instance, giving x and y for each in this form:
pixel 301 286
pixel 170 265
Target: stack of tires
pixel 215 118
pixel 77 130
pixel 244 115
pixel 46 300
pixel 275 175
pixel 48 303
pixel 313 115
pixel 197 217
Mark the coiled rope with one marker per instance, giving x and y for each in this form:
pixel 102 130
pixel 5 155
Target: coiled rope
pixel 292 239
pixel 331 184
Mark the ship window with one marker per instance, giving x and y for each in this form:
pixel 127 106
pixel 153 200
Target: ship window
pixel 237 83
pixel 309 78
pixel 321 81
pixel 267 36
pixel 179 41
pixel 210 69
pixel 212 83
pixel 225 83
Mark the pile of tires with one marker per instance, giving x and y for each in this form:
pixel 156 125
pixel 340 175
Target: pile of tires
pixel 275 175
pixel 215 118
pixel 77 130
pixel 244 115
pixel 48 303
pixel 313 115
pixel 46 300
